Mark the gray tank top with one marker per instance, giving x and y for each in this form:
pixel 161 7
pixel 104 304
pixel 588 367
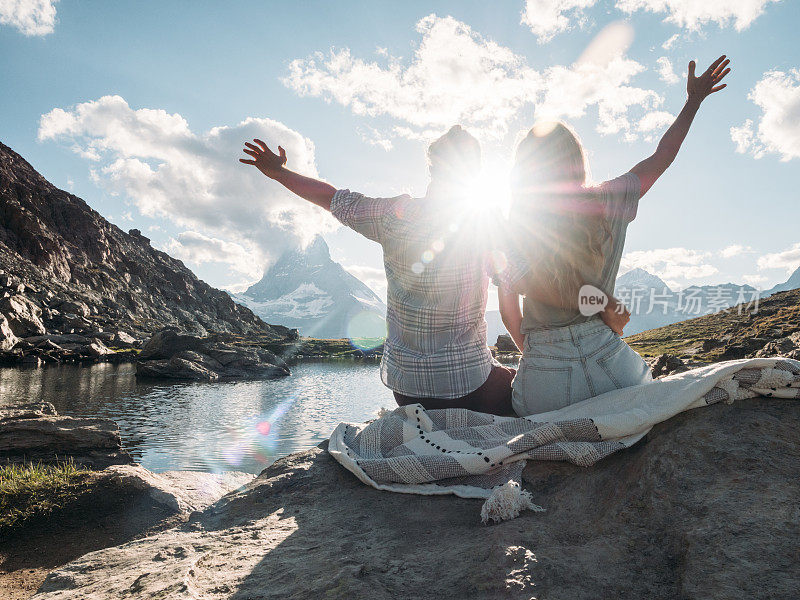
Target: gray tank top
pixel 620 199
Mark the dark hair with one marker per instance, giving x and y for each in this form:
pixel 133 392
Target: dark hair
pixel 454 156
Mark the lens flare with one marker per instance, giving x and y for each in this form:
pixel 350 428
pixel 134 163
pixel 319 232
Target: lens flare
pixel 366 330
pixel 257 438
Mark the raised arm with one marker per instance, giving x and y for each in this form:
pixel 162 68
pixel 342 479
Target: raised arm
pixel 273 166
pixel 698 89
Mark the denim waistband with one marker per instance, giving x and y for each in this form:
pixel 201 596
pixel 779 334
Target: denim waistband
pixel 566 333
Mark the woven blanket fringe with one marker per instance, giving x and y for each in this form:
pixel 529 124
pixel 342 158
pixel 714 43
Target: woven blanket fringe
pixel 507 502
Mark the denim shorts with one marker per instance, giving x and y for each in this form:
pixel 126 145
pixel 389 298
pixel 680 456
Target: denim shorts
pixel 563 366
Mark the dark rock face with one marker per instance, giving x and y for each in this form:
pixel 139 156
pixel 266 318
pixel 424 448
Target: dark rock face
pixel 682 514
pixel 506 344
pixel 173 355
pixel 35 432
pixel 64 269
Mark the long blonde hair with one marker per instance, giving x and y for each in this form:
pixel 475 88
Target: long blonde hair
pixel 557 225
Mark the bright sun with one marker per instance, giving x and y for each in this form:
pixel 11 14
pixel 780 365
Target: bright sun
pixel 490 189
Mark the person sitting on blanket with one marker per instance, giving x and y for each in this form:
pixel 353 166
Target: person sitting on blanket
pixel 563 235
pixel 436 255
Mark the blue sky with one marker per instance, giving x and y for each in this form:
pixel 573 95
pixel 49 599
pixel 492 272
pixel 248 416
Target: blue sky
pixel 140 109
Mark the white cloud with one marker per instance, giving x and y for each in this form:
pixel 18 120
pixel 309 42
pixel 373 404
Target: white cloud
pixel 671 41
pixel 197 249
pixel 30 17
pixel 735 250
pixel 455 76
pixel 788 259
pixel 654 123
pixel 375 278
pixel 655 120
pixel 665 71
pixel 373 137
pixel 777 94
pixel 458 76
pixel 546 18
pixel 694 14
pixel 193 179
pixel 674 265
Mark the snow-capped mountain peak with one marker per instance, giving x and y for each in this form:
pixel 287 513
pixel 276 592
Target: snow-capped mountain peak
pixel 307 289
pixel 639 278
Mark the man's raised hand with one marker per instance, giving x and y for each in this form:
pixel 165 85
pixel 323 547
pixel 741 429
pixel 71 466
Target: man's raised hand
pixel 265 160
pixel 709 82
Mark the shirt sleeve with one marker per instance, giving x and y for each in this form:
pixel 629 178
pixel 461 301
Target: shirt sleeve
pixel 621 197
pixel 368 216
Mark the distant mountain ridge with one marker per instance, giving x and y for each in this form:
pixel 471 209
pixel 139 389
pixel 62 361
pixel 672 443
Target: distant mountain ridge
pixel 69 258
pixel 306 289
pixel 790 284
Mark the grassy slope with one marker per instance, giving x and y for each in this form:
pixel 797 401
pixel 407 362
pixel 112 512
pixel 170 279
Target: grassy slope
pixel 33 491
pixel 717 336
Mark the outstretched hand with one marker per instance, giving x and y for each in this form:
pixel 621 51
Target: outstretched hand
pixel 265 160
pixel 701 87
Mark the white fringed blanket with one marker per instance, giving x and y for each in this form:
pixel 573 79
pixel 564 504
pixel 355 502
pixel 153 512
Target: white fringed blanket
pixel 475 455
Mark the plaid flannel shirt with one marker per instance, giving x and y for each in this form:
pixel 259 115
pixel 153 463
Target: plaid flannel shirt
pixel 438 280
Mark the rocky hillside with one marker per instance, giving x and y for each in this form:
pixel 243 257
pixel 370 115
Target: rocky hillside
pixel 770 328
pixel 67 270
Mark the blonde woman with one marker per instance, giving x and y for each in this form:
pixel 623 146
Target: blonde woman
pixel 563 235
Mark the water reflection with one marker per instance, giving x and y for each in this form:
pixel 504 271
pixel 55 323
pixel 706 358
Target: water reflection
pixel 208 426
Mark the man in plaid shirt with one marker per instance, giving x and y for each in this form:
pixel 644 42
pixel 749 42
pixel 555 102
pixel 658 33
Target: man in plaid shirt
pixel 436 254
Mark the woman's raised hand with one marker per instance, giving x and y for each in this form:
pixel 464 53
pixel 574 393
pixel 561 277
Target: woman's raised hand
pixel 266 161
pixel 709 82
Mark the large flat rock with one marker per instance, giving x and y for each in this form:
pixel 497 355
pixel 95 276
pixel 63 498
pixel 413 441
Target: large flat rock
pixel 705 507
pixel 33 436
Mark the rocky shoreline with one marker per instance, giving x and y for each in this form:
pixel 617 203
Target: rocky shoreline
pixel 204 352
pixel 680 514
pixel 114 500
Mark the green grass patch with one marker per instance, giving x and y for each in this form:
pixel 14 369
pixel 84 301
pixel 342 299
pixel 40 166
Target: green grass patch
pixel 31 491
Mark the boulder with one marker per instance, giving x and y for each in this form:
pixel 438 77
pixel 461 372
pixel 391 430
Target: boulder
pixel 23 315
pixel 779 347
pixel 175 368
pixel 179 491
pixel 682 514
pixel 744 348
pixel 167 342
pixel 174 355
pixel 31 410
pixel 506 344
pixel 72 307
pixel 124 340
pixel 7 338
pixel 36 433
pixel 666 364
pixel 95 349
pixel 61 339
